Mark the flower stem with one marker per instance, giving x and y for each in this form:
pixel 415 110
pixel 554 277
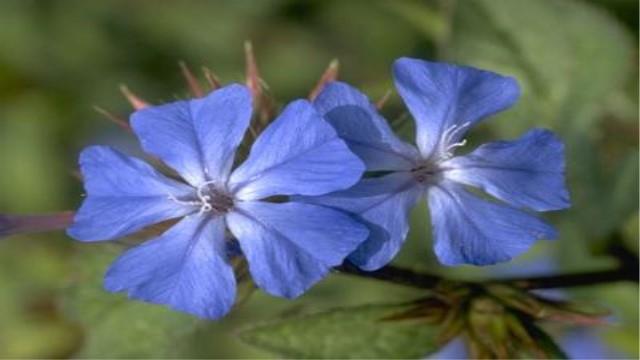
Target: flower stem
pixel 627 270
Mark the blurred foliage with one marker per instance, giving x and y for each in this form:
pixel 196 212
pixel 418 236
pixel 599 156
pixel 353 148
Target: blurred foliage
pixel 359 332
pixel 576 62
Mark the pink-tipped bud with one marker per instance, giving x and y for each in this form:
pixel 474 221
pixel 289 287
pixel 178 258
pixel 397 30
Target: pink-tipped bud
pixel 29 224
pixel 252 73
pixel 212 79
pixel 330 74
pixel 133 99
pixel 192 82
pixel 116 119
pixel 383 100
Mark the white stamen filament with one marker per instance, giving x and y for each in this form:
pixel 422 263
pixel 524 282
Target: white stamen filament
pixel 449 135
pixel 452 131
pixel 204 199
pixel 183 202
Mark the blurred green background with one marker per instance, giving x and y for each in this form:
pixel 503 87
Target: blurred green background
pixel 577 62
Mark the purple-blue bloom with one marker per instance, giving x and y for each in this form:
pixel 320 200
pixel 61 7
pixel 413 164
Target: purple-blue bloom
pixel 523 175
pixel 289 246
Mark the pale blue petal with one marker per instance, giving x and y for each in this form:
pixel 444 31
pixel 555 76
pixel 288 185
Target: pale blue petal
pixel 365 131
pixel 384 205
pixel 198 138
pixel 185 269
pixel 290 246
pixel 588 344
pixel 124 195
pixel 299 153
pixel 527 172
pixel 454 350
pixel 441 95
pixel 470 230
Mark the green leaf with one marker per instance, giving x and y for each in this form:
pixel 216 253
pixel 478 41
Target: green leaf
pixel 354 332
pixel 115 326
pixel 424 18
pixel 566 70
pixel 624 190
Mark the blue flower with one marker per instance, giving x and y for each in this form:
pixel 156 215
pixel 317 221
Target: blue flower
pixel 446 101
pixel 289 246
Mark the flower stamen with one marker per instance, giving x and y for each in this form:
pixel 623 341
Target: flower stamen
pixel 209 198
pixel 449 136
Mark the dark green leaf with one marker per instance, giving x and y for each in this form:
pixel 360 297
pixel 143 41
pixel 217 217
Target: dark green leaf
pixel 356 332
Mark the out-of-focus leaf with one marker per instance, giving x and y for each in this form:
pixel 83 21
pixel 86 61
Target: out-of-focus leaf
pixel 623 197
pixel 623 332
pixel 355 332
pixel 566 69
pixel 31 323
pixel 425 18
pixel 115 326
pixel 29 156
pixel 630 232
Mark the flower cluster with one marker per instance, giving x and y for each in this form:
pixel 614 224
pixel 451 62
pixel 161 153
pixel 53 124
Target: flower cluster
pixel 309 194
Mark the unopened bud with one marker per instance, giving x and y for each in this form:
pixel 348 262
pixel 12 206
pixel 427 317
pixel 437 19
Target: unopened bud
pixel 192 83
pixel 133 99
pixel 330 74
pixel 116 119
pixel 212 79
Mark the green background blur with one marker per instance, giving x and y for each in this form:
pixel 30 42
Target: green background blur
pixel 577 63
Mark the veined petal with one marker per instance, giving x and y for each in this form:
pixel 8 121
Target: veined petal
pixel 185 269
pixel 290 246
pixel 469 230
pixel 198 138
pixel 124 194
pixel 384 205
pixel 441 96
pixel 299 153
pixel 527 172
pixel 366 132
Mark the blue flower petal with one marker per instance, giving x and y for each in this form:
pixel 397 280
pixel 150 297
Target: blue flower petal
pixel 384 205
pixel 527 172
pixel 365 131
pixel 587 343
pixel 290 246
pixel 197 138
pixel 124 194
pixel 441 95
pixel 470 230
pixel 454 350
pixel 185 269
pixel 299 153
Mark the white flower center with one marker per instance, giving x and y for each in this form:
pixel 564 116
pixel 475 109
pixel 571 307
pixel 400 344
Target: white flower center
pixel 210 198
pixel 429 171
